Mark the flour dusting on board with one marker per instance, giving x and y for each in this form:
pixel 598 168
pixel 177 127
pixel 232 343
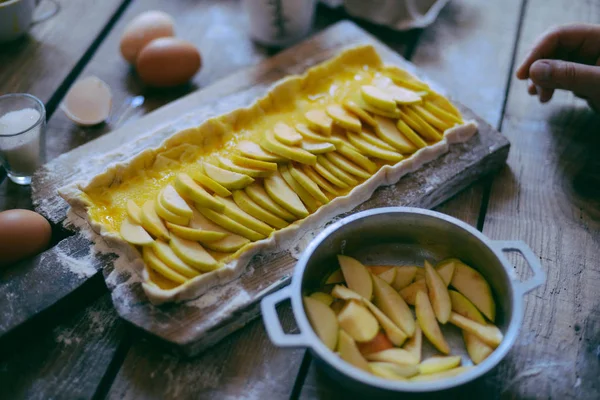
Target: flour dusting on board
pixel 82 267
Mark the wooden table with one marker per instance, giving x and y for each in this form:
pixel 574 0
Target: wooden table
pixel 548 195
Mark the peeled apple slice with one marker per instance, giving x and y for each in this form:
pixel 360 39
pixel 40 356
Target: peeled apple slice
pixel 229 165
pixel 392 371
pixel 244 202
pixel 357 276
pixel 438 364
pixel 315 147
pixel 353 155
pixel 396 356
pixel 286 134
pixel 489 334
pixel 429 324
pixel 392 305
pixel 152 223
pixel 323 320
pixel 211 184
pixel 309 134
pixel 310 186
pixel 414 344
pixel 172 201
pixel 319 121
pixel 197 235
pixel 343 118
pixel 186 186
pixel 252 163
pixel 229 244
pixel 193 254
pixel 359 112
pixel 229 179
pixel 231 225
pixel 270 143
pixel 349 351
pixel 281 193
pixel 163 269
pixel 322 182
pixel 438 294
pixel 311 203
pixel 440 375
pixel 166 255
pixel 324 298
pixel 474 287
pixel 376 97
pixel 387 131
pixel 134 212
pixel 258 194
pixel 168 215
pixel 253 150
pixel 237 214
pixel 134 233
pixel 347 166
pixel 358 322
pixel 374 151
pixel 375 141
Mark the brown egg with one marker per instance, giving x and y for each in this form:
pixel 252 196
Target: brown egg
pixel 168 62
pixel 23 234
pixel 142 30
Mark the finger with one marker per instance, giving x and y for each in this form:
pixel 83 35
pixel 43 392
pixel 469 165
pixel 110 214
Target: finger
pixel 565 38
pixel 545 94
pixel 531 89
pixel 556 74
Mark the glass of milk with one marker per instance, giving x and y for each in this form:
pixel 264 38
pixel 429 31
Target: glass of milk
pixel 22 127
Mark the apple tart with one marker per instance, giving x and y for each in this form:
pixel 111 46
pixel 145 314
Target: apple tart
pixel 194 211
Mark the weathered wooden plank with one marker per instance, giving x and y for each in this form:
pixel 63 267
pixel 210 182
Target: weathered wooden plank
pixel 450 51
pixel 65 362
pixel 245 365
pixel 548 197
pixel 42 60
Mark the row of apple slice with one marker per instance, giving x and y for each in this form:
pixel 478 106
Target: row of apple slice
pixel 351 324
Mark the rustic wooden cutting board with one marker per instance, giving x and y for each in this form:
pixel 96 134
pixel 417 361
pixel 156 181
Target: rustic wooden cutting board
pixel 196 325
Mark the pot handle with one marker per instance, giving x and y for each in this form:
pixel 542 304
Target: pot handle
pixel 273 325
pixel 539 276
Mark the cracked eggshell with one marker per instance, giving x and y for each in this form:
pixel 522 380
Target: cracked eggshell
pixel 88 102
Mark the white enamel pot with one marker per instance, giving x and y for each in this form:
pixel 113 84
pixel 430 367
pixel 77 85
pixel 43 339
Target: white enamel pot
pixel 406 236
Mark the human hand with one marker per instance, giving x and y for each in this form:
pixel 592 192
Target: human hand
pixel 567 57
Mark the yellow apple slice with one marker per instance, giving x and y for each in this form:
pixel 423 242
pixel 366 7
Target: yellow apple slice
pixel 339 173
pixel 477 349
pixel 375 141
pixel 134 212
pixel 315 147
pixel 413 120
pixel 387 131
pixel 258 194
pixel 228 244
pixel 438 364
pixel 356 276
pixel 172 201
pixel 193 254
pixel 152 223
pixel 311 187
pixel 414 344
pixel 197 235
pixel 404 277
pixel 442 114
pixel 324 298
pixel 210 184
pixel 440 375
pixel 378 98
pixel 374 151
pixel 348 151
pixel 396 356
pixel 247 205
pixel 237 214
pixel 343 118
pixel 168 215
pixel 319 121
pixel 324 172
pixel 335 277
pixel 286 134
pixel 389 276
pixel 347 166
pixel 309 201
pixel 392 305
pixel 229 165
pixel 474 287
pixel 320 181
pixel 438 294
pixel 309 134
pixel 270 143
pixel 135 233
pixel 429 324
pixel 489 334
pixel 323 321
pixel 349 352
pixel 254 164
pixel 229 179
pixel 431 119
pixel 402 95
pixel 420 275
pixel 354 108
pixel 446 270
pixel 282 194
pixel 409 293
pixel 166 255
pixel 461 305
pixel 377 111
pixel 392 371
pixel 253 150
pixel 186 186
pixel 392 331
pixel 163 269
pixel 410 134
pixel 403 78
pixel 358 322
pixel 231 225
pixel 343 293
